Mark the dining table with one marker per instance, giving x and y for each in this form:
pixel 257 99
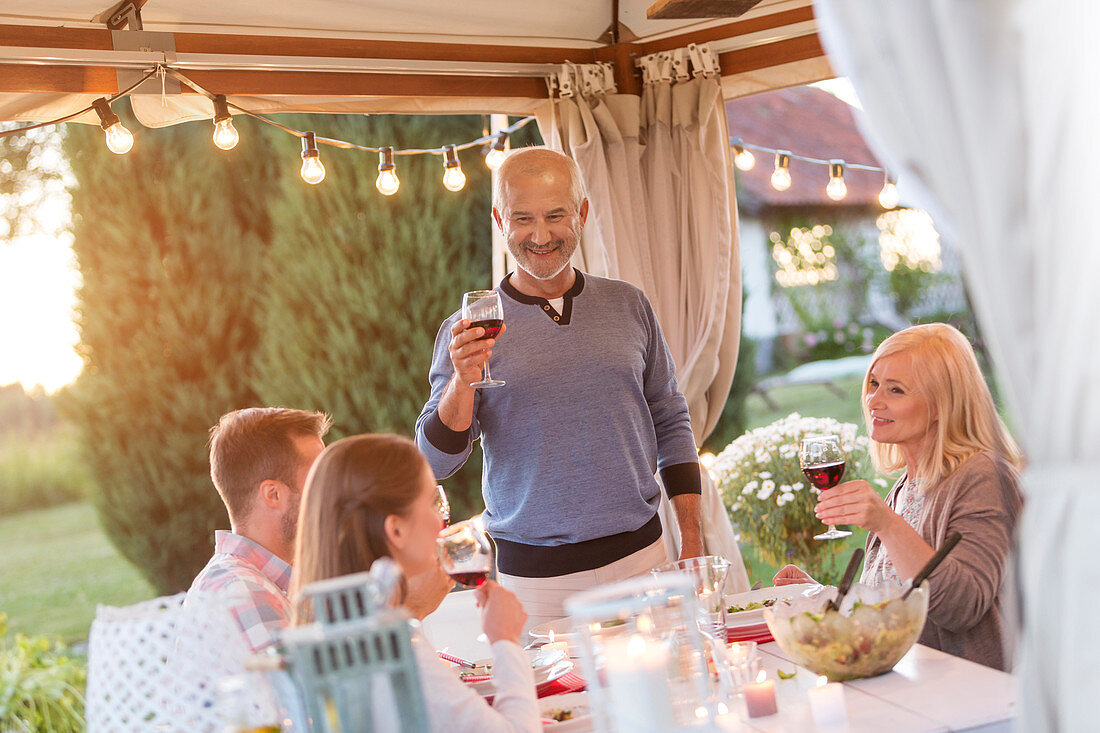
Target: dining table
pixel 927 690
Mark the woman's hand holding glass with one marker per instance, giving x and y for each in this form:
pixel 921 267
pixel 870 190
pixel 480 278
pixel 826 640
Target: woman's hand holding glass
pixel 502 615
pixel 855 502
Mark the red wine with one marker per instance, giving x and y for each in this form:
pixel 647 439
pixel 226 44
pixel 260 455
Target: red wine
pixel 472 579
pixel 826 476
pixel 492 327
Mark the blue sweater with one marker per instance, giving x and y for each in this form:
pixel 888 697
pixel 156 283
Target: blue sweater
pixel 571 444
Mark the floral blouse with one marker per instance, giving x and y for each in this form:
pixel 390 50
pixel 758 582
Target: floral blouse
pixel 909 503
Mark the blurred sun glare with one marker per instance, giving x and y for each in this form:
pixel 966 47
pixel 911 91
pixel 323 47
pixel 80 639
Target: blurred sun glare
pixel 38 280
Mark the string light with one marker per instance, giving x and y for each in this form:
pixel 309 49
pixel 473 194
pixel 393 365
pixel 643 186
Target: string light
pixel 313 171
pixel 837 189
pixel 781 176
pixel 496 154
pixel 387 182
pixel 888 196
pixel 743 157
pixel 453 177
pixel 225 135
pixel 119 139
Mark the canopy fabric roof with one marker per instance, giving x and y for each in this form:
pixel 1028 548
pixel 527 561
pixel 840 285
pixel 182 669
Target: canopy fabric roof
pixel 355 56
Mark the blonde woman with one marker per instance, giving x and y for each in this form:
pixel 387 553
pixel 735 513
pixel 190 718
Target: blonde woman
pixel 930 415
pixel 371 496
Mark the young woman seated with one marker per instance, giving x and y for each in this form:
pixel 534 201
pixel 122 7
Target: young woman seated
pixel 371 496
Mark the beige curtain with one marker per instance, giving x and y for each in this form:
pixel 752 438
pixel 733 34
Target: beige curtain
pixel 663 217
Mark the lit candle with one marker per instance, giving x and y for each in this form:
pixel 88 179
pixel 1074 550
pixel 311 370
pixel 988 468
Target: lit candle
pixel 760 696
pixel 555 645
pixel 827 703
pixel 637 684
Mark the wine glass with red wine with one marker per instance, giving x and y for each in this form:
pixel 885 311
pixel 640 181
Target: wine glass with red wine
pixel 465 553
pixel 822 460
pixel 484 310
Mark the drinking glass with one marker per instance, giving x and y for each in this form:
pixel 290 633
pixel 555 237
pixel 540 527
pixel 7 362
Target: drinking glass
pixel 465 553
pixel 484 310
pixel 441 505
pixel 822 461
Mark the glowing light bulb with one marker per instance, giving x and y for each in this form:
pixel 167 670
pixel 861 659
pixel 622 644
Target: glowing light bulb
pixel 494 158
pixel 119 139
pixel 225 135
pixel 387 182
pixel 496 154
pixel 453 177
pixel 743 158
pixel 888 196
pixel 837 189
pixel 781 176
pixel 313 172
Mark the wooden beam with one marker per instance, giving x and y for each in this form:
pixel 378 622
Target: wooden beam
pixel 350 84
pixel 38 36
pixel 738 28
pixel 628 78
pixel 221 43
pixel 663 9
pixel 18 78
pixel 353 49
pixel 771 54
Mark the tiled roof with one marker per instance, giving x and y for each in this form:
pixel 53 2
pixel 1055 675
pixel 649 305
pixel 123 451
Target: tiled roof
pixel 806 121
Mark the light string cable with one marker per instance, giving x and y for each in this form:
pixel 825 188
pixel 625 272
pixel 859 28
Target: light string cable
pixel 110 98
pixel 345 145
pixel 836 189
pixel 738 142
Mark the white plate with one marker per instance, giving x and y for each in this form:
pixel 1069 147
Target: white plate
pixel 547 667
pixel 756 615
pixel 564 631
pixel 574 700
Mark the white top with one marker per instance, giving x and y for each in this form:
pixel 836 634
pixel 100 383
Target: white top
pixel 456 708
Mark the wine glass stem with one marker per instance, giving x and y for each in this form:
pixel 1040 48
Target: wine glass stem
pixel 485 376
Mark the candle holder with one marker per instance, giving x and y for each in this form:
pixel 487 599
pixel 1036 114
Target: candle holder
pixel 644 657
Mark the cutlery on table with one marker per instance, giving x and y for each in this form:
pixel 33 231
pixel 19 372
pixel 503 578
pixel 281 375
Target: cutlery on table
pixel 933 563
pixel 463 662
pixel 846 581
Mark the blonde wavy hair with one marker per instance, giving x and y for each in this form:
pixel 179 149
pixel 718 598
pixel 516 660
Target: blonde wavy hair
pixel 963 417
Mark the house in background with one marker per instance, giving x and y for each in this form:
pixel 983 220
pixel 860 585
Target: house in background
pixel 814 267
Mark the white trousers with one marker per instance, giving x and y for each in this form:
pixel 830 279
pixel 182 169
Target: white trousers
pixel 544 598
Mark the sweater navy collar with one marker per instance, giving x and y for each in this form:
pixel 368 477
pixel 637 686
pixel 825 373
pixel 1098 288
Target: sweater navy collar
pixel 562 318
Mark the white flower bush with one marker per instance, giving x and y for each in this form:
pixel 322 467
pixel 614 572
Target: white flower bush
pixel 768 498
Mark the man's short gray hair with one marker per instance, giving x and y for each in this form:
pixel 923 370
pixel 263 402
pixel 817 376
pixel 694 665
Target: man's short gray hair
pixel 533 161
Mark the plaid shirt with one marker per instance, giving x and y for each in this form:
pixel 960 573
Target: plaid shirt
pixel 253 581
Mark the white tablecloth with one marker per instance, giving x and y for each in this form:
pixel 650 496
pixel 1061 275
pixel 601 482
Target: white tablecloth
pixel 927 690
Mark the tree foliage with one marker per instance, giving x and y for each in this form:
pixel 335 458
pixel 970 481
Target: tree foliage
pixel 31 172
pixel 358 283
pixel 170 241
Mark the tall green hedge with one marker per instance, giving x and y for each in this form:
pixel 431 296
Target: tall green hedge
pixel 170 241
pixel 358 283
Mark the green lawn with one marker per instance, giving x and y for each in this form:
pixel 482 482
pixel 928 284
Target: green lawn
pixel 57 565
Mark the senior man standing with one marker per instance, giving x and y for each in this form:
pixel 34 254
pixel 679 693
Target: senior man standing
pixel 589 414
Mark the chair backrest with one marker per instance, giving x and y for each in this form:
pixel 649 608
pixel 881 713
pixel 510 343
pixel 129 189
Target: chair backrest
pixel 355 667
pixel 154 666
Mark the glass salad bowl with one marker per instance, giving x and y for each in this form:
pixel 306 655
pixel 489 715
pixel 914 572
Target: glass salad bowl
pixel 873 629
